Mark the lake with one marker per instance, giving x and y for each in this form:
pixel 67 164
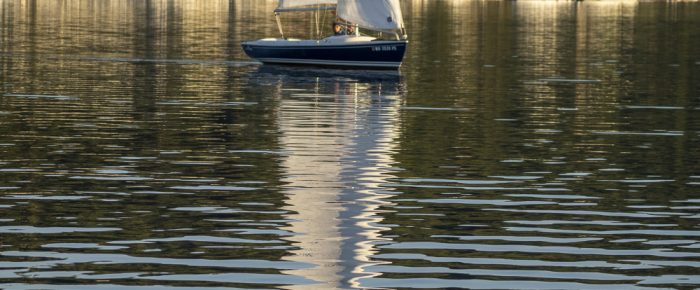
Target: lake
pixel 522 145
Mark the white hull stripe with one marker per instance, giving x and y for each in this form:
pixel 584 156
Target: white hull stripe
pixel 332 62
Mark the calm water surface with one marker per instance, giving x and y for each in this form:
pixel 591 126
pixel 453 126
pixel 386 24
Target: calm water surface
pixel 523 145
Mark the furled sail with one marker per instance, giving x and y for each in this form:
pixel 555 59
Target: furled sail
pixel 300 5
pixel 381 15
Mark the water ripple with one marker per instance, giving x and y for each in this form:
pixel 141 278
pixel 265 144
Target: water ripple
pixel 37 286
pixel 205 239
pixel 52 230
pixel 62 258
pixel 541 249
pixel 631 265
pixel 248 278
pixel 665 232
pixel 436 283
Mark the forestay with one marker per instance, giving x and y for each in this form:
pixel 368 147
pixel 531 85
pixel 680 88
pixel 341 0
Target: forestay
pixel 297 5
pixel 381 15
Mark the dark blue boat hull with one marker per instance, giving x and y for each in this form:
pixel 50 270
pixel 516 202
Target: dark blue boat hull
pixel 374 54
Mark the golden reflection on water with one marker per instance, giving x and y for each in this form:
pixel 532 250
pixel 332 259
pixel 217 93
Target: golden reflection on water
pixel 489 88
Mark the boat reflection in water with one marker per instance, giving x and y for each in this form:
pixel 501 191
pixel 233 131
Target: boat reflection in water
pixel 337 134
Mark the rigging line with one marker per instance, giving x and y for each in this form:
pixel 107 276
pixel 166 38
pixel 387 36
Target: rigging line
pixel 320 24
pixel 311 26
pixel 323 19
pixel 318 33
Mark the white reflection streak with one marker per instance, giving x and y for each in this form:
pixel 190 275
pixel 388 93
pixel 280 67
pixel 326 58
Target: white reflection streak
pixel 374 196
pixel 339 157
pixel 312 171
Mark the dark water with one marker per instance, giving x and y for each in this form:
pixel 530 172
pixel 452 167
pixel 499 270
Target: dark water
pixel 523 145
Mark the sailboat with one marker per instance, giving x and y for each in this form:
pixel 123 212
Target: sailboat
pixel 347 47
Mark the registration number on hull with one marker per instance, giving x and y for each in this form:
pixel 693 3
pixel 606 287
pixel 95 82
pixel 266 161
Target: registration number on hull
pixel 384 48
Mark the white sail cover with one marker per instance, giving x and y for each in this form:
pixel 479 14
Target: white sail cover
pixel 383 15
pixel 299 4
